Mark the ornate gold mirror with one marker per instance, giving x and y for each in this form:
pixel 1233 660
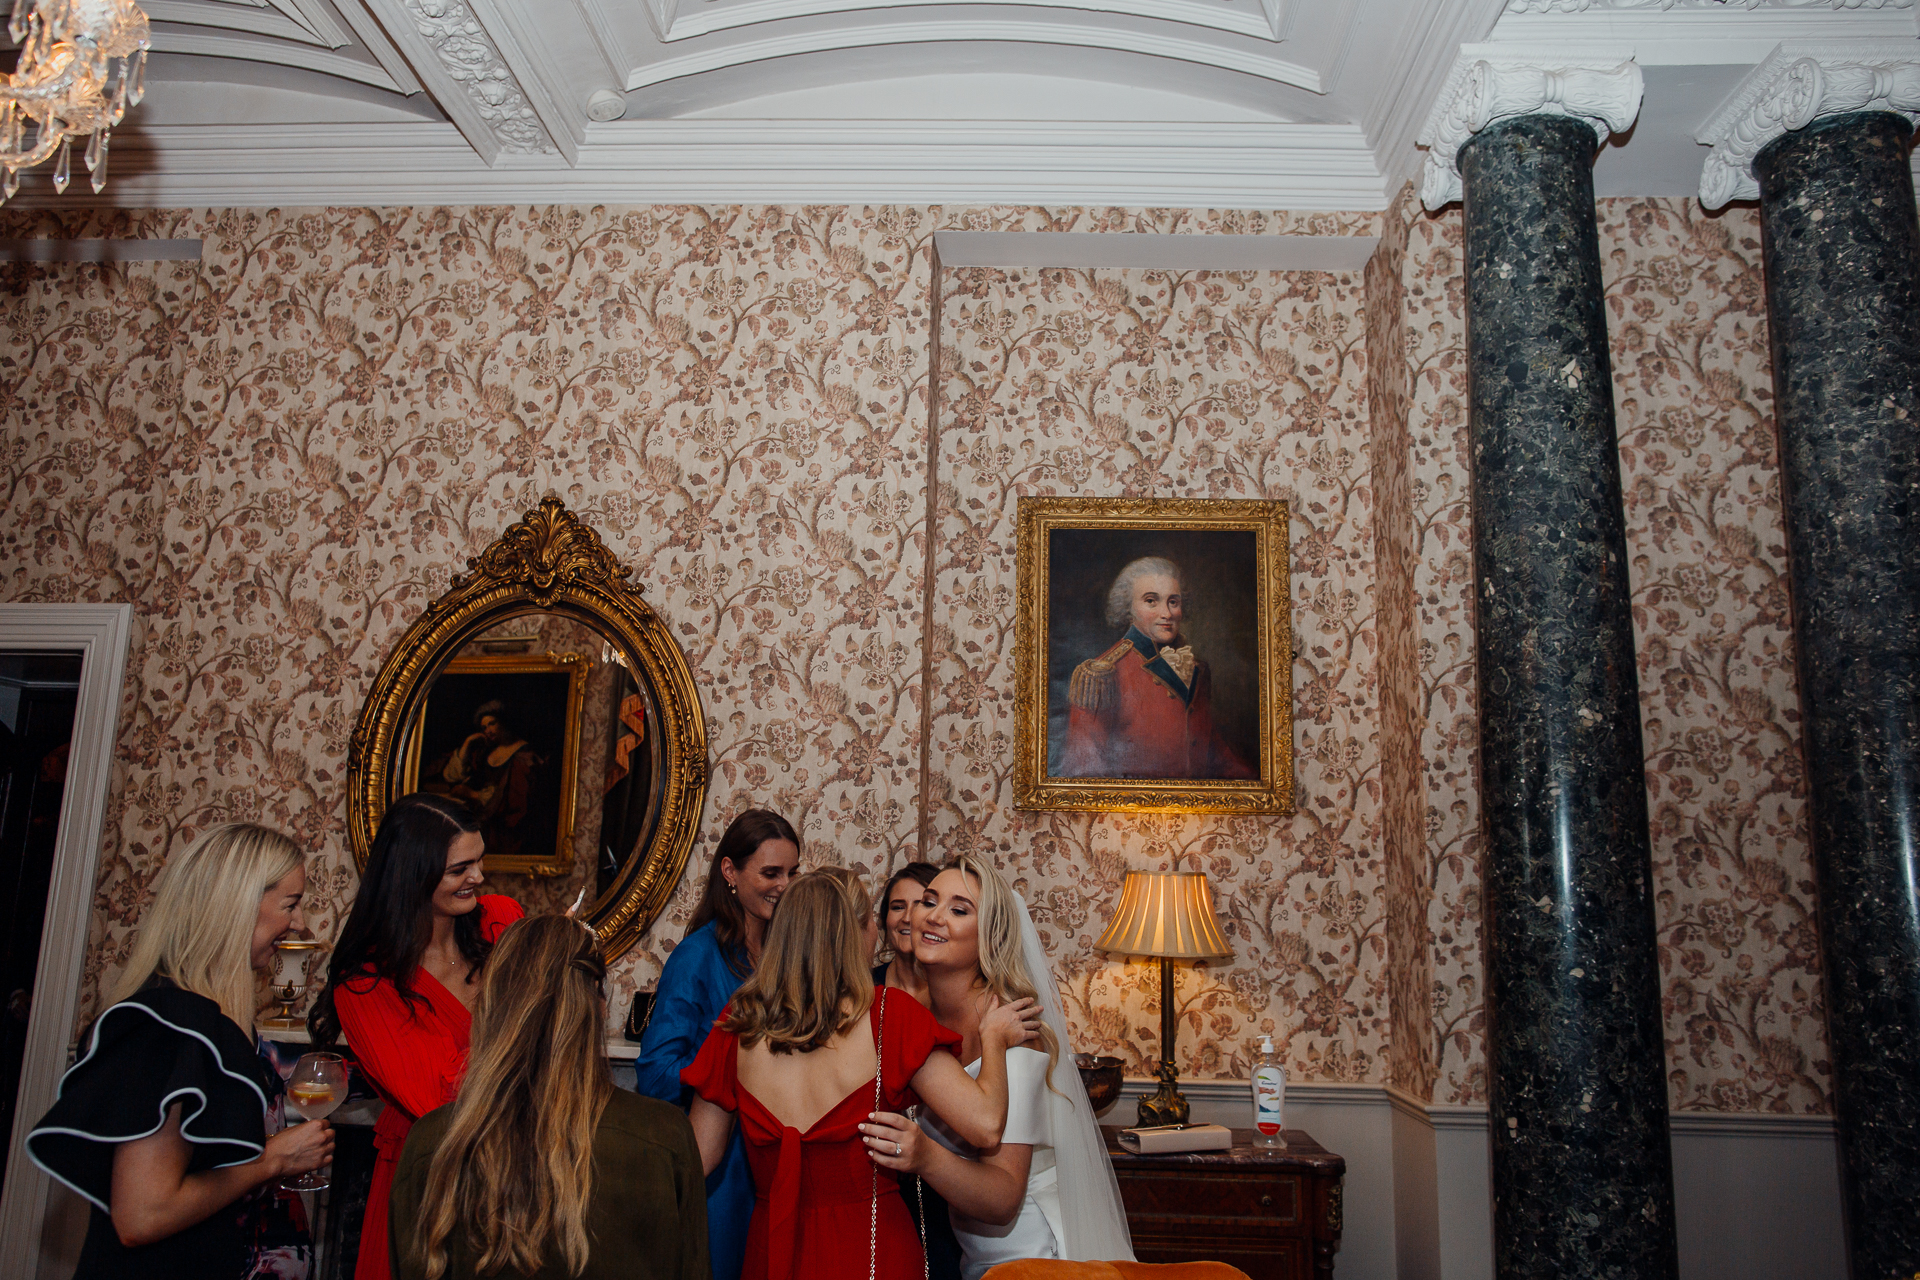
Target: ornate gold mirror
pixel 546 693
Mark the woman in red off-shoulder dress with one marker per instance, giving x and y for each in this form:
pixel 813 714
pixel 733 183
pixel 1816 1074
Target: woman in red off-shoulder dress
pixel 401 993
pixel 822 1208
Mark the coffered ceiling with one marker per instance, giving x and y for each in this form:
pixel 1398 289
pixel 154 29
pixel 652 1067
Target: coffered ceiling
pixel 1297 104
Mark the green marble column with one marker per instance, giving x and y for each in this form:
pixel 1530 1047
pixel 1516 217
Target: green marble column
pixel 1583 1183
pixel 1842 252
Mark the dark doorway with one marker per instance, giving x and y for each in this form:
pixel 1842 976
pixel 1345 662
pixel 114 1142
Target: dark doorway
pixel 38 694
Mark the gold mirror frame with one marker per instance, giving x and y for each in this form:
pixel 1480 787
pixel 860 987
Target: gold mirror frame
pixel 547 562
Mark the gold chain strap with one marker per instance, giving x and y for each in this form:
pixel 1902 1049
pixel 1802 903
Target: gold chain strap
pixel 873 1170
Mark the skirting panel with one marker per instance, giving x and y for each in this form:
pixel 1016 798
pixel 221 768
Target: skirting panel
pixel 1756 1197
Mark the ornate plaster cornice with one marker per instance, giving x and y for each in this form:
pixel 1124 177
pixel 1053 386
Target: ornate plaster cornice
pixel 473 61
pixel 1662 6
pixel 1488 82
pixel 1796 85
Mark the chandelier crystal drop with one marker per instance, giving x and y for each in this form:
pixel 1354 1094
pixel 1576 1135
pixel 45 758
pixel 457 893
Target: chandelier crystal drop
pixel 82 64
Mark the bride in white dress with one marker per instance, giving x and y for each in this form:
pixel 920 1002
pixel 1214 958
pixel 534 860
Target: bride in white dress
pixel 1047 1190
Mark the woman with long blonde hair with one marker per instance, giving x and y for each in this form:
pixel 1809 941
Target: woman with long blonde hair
pixel 1045 1188
pixel 162 1122
pixel 806 1050
pixel 541 1167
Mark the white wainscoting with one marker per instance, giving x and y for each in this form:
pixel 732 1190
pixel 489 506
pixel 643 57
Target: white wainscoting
pixel 1756 1197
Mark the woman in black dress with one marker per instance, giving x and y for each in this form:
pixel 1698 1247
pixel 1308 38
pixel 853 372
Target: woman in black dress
pixel 162 1122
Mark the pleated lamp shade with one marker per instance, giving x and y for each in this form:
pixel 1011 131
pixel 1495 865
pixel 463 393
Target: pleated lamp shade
pixel 1167 914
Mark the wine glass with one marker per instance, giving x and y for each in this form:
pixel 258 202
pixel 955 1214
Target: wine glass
pixel 317 1086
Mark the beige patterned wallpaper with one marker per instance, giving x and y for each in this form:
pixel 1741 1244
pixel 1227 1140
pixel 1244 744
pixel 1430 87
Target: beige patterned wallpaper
pixel 1733 873
pixel 1175 384
pixel 281 453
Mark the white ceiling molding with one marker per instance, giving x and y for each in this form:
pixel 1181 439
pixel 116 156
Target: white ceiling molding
pixel 1665 6
pixel 258 19
pixel 252 48
pixel 1490 82
pixel 1302 168
pixel 1707 33
pixel 1096 249
pixel 1265 20
pixel 1795 86
pixel 1415 74
pixel 314 15
pixel 373 38
pixel 556 95
pixel 1152 44
pixel 459 63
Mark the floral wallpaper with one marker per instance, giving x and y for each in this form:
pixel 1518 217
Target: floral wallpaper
pixel 1734 892
pixel 1164 384
pixel 1411 1060
pixel 1447 709
pixel 281 453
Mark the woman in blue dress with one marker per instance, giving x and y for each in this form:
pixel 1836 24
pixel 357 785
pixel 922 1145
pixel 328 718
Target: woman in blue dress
pixel 751 868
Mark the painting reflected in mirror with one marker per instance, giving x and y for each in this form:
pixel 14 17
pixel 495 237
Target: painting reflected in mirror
pixel 545 693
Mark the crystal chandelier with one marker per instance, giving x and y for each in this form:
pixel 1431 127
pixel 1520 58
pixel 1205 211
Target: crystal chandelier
pixel 82 64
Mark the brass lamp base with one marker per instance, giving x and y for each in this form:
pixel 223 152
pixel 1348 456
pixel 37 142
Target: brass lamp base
pixel 1165 1105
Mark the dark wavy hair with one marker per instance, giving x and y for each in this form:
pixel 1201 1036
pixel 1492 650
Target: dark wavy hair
pixel 391 922
pixel 743 835
pixel 922 874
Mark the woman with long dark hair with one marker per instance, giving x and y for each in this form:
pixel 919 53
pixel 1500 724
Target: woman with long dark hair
pixel 894 911
pixel 896 914
pixel 405 971
pixel 542 1167
pixel 751 867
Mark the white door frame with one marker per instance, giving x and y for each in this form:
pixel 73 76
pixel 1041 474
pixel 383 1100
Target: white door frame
pixel 101 632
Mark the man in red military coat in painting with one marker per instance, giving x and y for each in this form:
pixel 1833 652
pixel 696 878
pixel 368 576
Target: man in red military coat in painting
pixel 1144 708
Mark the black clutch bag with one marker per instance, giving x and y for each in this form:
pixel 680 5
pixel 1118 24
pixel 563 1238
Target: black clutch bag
pixel 639 1014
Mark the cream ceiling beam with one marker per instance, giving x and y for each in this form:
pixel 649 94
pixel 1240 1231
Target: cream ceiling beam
pixel 1151 43
pixel 1302 168
pixel 459 62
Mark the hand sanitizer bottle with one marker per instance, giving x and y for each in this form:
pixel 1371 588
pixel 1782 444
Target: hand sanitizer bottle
pixel 1269 1098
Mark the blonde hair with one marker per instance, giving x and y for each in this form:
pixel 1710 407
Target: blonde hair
pixel 813 982
pixel 1003 968
pixel 199 930
pixel 515 1170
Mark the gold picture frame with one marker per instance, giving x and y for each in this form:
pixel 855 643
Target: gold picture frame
pixel 549 561
pixel 446 726
pixel 1110 719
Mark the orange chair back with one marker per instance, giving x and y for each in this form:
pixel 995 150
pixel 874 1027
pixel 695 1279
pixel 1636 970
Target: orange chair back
pixel 1056 1269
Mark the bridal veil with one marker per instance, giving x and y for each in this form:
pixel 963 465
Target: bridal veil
pixel 1091 1212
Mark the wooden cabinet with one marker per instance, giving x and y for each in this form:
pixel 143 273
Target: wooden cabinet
pixel 1275 1215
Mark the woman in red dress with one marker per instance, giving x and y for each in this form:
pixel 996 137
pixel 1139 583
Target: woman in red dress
pixel 806 1051
pixel 405 971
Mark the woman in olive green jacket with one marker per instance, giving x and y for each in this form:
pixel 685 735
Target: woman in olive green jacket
pixel 541 1167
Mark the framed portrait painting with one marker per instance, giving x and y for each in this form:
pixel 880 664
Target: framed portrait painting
pixel 502 732
pixel 1154 656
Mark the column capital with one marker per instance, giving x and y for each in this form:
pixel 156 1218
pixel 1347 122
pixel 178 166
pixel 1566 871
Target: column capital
pixel 1600 84
pixel 1796 85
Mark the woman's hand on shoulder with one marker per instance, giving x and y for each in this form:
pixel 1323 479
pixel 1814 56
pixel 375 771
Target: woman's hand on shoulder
pixel 1009 1025
pixel 301 1148
pixel 894 1142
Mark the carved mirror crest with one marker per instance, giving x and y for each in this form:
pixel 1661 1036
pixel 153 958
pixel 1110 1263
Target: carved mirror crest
pixel 546 693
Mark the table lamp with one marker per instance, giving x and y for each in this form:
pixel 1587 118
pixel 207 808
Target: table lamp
pixel 1168 915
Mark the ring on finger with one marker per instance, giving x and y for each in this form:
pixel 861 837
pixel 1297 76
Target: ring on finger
pixel 896 1148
